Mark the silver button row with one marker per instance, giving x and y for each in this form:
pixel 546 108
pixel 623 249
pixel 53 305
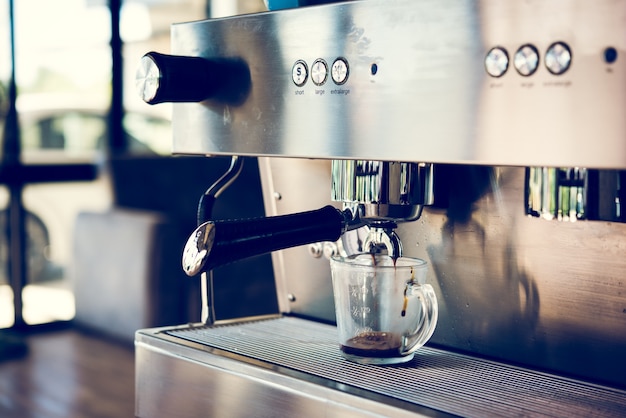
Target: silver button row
pixel 558 59
pixel 339 72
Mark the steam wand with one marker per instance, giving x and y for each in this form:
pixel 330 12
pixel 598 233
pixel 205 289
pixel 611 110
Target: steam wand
pixel 205 207
pixel 215 243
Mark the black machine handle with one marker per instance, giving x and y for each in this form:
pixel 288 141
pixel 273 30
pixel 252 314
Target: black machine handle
pixel 216 243
pixel 170 78
pixel 164 78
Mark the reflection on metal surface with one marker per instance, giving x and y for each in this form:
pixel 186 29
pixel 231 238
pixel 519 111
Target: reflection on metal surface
pixel 381 193
pixel 388 191
pixel 571 194
pixel 544 294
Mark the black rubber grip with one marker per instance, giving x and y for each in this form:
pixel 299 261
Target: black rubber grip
pixel 236 240
pixel 195 79
pixel 184 79
pixel 205 208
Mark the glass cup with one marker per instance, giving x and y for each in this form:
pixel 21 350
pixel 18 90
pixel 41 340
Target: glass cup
pixel 385 310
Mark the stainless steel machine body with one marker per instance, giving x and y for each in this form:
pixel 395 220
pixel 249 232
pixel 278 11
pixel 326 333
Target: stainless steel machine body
pixel 532 313
pixel 417 87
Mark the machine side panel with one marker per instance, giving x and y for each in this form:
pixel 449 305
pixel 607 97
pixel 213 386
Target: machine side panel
pixel 170 382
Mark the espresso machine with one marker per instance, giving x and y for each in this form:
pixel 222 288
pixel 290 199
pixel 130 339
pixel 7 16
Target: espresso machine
pixel 485 137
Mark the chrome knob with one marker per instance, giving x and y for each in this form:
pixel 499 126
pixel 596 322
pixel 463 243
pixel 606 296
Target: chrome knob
pixel 558 58
pixel 526 60
pixel 497 62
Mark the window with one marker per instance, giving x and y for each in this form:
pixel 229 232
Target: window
pixel 63 71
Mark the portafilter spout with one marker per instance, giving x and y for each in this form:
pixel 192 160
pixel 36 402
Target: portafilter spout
pixel 381 194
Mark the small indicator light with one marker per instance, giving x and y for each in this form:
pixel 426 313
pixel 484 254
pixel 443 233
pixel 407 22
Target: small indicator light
pixel 610 55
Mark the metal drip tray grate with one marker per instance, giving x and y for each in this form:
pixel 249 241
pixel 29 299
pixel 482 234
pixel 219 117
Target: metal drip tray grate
pixel 435 379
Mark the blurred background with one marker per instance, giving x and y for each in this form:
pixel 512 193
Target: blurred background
pixel 67 78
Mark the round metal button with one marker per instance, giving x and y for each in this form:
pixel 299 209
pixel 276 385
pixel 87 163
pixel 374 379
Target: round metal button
pixel 339 71
pixel 526 60
pixel 558 58
pixel 299 73
pixel 497 62
pixel 319 72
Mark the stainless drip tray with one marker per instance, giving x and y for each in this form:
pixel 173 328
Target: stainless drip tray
pixel 434 382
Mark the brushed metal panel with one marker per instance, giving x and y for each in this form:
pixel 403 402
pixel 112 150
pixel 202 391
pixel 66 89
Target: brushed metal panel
pixel 545 294
pixel 431 99
pixel 548 295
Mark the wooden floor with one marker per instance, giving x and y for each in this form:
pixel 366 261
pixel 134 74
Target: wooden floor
pixel 69 373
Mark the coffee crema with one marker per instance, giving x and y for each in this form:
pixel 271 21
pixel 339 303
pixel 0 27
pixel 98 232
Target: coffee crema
pixel 374 344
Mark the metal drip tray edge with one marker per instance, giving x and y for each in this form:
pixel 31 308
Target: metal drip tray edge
pixel 435 382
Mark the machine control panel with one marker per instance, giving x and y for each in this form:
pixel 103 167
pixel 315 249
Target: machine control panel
pixel 558 59
pixel 441 81
pixel 339 72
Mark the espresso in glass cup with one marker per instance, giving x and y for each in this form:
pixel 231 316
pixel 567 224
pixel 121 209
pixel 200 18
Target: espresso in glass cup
pixel 384 308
